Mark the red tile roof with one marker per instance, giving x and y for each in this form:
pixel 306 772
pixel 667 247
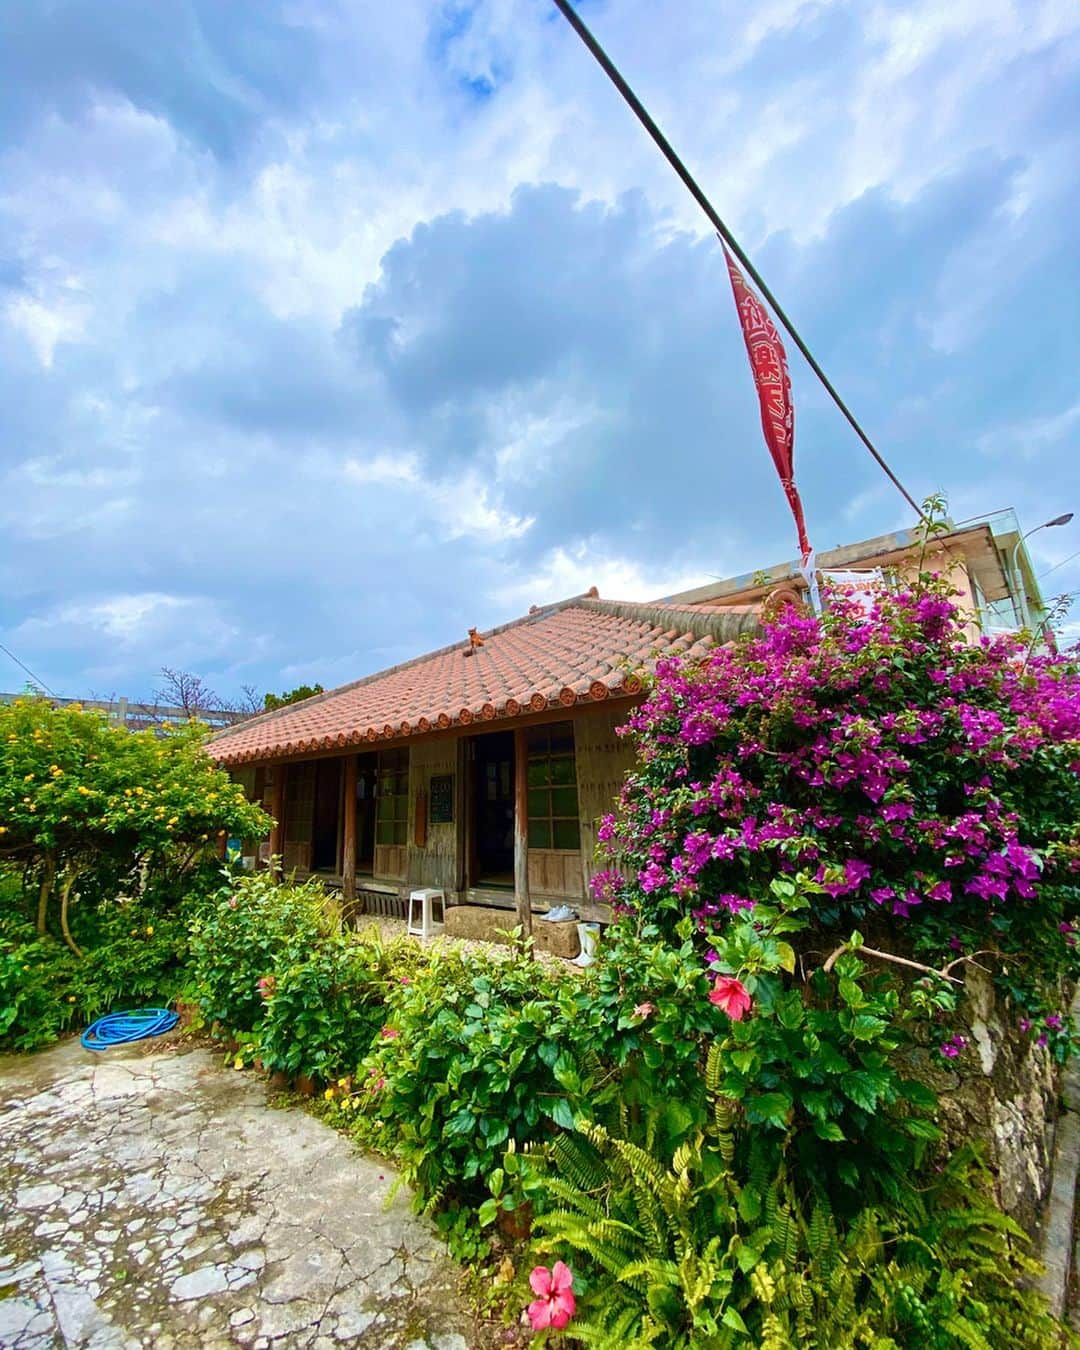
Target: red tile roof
pixel 582 650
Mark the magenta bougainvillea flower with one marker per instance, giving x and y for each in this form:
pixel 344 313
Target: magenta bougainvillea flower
pixel 900 770
pixel 644 1010
pixel 266 986
pixel 731 996
pixel 555 1304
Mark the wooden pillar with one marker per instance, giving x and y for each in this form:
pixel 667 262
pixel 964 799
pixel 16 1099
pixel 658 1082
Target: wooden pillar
pixel 521 832
pixel 277 811
pixel 348 834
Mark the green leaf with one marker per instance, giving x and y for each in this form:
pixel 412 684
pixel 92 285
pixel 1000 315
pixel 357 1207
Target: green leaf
pixel 851 993
pixel 558 1108
pixel 743 1060
pixel 867 1027
pixel 860 1087
pixel 771 1108
pixel 921 1129
pixel 732 1319
pixel 790 1011
pixel 461 1122
pixel 786 956
pixel 829 1130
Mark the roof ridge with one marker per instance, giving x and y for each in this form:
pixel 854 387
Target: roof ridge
pixel 721 627
pixel 275 714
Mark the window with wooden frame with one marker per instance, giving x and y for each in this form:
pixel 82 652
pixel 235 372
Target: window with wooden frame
pixel 554 821
pixel 392 797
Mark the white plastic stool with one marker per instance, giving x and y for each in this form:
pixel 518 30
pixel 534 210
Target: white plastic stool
pixel 422 905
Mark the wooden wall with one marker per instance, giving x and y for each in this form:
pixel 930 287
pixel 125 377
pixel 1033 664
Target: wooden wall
pixel 299 815
pixel 603 761
pixel 436 862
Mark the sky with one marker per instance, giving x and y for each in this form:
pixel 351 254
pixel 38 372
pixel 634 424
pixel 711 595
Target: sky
pixel 330 330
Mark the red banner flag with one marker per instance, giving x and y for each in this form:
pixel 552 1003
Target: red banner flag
pixel 769 364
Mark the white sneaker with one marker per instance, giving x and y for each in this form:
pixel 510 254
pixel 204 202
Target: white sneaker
pixel 560 914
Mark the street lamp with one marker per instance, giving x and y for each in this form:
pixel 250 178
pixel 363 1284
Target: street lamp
pixel 1017 575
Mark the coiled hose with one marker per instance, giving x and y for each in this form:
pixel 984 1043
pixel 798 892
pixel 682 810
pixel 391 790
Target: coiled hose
pixel 120 1028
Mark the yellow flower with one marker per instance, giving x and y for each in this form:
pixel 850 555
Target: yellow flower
pixel 329 1094
pixel 150 930
pixel 3 829
pixel 71 998
pixel 29 778
pixel 85 791
pixel 173 820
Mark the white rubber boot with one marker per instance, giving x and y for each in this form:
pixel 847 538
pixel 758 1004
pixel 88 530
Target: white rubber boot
pixel 589 937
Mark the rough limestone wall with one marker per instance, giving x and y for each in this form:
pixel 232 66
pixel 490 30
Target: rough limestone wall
pixel 1001 1094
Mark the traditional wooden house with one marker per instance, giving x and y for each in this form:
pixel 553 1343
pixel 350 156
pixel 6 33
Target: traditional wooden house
pixel 483 769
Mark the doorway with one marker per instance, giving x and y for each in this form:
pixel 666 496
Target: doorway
pixel 493 810
pixel 324 834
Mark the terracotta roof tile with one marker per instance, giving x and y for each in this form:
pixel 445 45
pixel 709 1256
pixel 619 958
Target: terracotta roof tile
pixel 582 650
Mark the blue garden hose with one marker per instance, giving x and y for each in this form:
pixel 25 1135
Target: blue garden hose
pixel 120 1028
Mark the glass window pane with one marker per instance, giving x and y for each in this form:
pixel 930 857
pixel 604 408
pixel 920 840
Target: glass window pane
pixel 400 831
pixel 562 739
pixel 384 832
pixel 564 802
pixel 562 770
pixel 539 772
pixel 539 834
pixel 567 834
pixel 539 802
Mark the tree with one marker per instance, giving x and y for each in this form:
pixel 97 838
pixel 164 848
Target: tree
pixel 297 695
pixel 180 689
pixel 83 802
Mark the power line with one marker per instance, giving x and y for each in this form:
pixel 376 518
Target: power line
pixel 28 670
pixel 642 114
pixel 1057 565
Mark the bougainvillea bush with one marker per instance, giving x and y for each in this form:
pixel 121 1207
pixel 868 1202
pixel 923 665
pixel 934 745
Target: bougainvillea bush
pixel 929 785
pixel 816 810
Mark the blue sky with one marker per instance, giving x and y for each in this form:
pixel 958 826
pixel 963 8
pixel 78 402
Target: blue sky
pixel 328 331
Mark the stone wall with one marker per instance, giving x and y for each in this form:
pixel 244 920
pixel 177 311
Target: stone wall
pixel 1001 1093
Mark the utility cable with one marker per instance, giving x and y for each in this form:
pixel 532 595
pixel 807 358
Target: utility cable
pixel 641 113
pixel 28 670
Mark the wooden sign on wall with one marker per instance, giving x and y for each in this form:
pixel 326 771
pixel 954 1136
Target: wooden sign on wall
pixel 442 799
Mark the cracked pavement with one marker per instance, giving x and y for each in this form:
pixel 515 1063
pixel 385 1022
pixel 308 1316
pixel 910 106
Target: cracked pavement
pixel 149 1197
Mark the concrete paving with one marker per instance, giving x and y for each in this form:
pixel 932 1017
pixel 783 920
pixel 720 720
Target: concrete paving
pixel 149 1197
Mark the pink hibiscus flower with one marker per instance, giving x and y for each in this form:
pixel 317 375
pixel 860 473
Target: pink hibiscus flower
pixel 730 995
pixel 554 1305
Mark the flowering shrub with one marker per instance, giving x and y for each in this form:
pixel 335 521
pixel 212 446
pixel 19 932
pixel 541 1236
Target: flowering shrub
pixel 925 783
pixel 89 811
pixel 476 1051
pixel 323 1011
pixel 249 931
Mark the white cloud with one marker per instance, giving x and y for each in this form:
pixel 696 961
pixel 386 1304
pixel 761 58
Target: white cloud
pixel 574 569
pixel 46 326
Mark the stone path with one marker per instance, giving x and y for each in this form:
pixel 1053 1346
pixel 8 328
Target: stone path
pixel 149 1197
